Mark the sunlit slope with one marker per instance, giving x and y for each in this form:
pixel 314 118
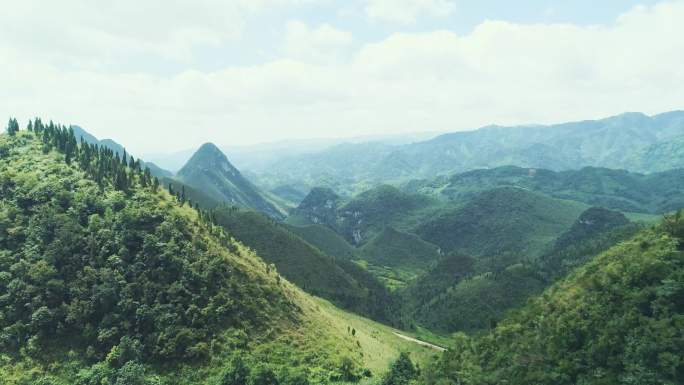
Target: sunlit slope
pixel 105 275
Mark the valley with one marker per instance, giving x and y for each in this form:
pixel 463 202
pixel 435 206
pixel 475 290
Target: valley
pixel 115 271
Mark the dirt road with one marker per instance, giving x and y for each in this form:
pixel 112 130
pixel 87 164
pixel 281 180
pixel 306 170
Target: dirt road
pixel 419 342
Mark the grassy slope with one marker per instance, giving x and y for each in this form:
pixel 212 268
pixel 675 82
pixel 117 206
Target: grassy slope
pixel 379 343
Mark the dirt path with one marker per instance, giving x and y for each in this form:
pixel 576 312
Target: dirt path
pixel 419 342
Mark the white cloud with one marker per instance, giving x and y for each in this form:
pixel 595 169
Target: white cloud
pixel 407 11
pixel 101 34
pixel 501 72
pixel 323 44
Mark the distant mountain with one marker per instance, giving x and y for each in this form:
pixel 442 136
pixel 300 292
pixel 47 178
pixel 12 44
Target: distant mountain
pixel 260 157
pixel 79 133
pixel 394 248
pixel 501 221
pixel 209 171
pixel 654 193
pixel 661 156
pixel 399 236
pixel 318 206
pixel 631 141
pixel 326 240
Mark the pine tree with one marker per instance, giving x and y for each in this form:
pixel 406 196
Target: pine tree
pixel 12 127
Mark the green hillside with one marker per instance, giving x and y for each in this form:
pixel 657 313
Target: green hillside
pixel 464 294
pixel 398 249
pixel 616 189
pixel 80 133
pixel 107 279
pixel 477 302
pixel 596 230
pixel 302 263
pixel 502 221
pixel 210 172
pixel 662 156
pixel 397 258
pixel 617 320
pixel 318 207
pixel 326 240
pixel 367 214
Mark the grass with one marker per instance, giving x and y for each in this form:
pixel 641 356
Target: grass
pixel 644 218
pixel 379 345
pixel 393 278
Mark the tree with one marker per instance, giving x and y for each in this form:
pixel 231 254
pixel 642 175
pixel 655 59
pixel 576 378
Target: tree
pixel 12 127
pixel 262 375
pixel 401 371
pixel 294 376
pixel 237 373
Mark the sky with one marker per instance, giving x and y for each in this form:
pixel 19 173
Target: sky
pixel 166 75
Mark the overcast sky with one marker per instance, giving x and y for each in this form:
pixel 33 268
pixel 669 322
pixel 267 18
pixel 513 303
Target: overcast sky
pixel 161 75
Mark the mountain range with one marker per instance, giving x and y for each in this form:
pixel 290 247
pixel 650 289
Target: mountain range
pixel 556 261
pixel 631 141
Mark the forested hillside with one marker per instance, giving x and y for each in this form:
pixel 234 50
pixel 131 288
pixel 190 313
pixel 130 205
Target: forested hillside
pixel 501 221
pixel 106 278
pixel 655 193
pixel 112 276
pixel 617 320
pixel 305 265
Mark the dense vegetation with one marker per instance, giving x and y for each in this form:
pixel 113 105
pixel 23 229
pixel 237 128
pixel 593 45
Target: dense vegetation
pixel 303 264
pixel 117 148
pixel 616 189
pixel 463 293
pixel 617 320
pixel 112 276
pixel 105 279
pixel 504 220
pixel 326 240
pixel 398 249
